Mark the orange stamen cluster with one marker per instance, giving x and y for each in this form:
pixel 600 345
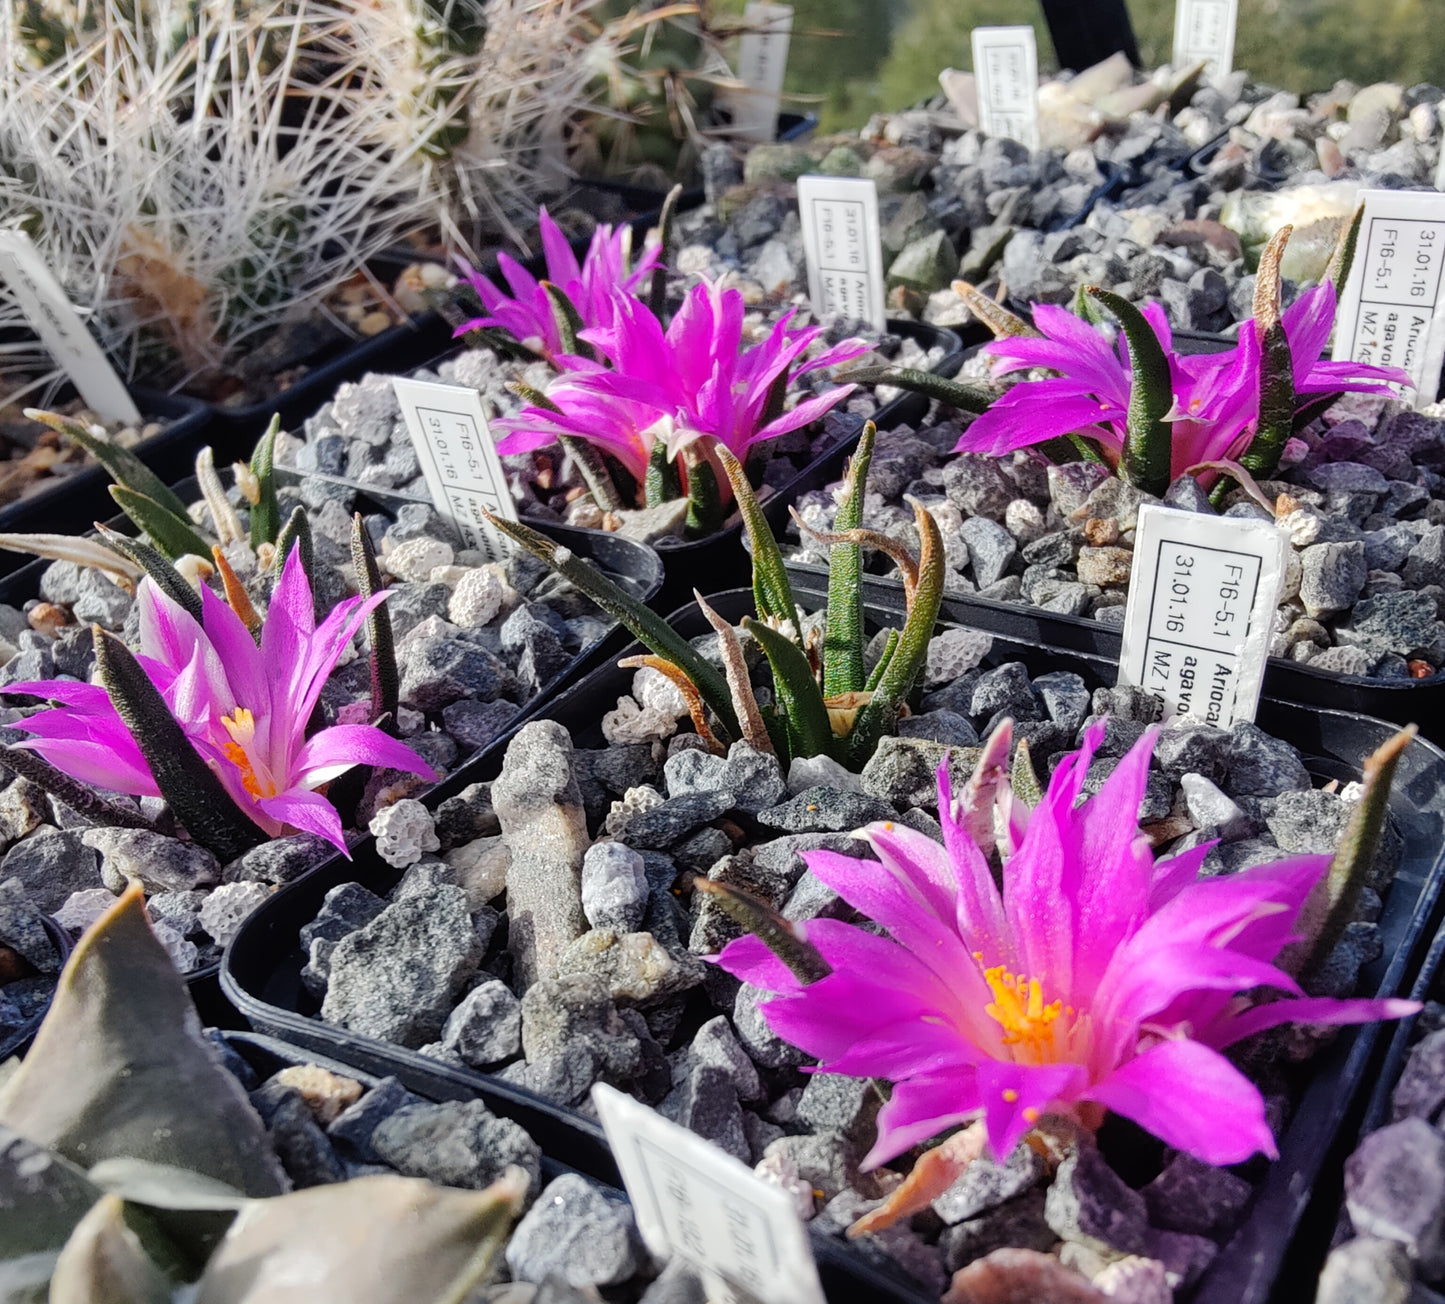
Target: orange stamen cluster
pixel 1018 1008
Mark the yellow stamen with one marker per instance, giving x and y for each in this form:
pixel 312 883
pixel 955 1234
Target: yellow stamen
pixel 1010 1095
pixel 1018 1008
pixel 241 725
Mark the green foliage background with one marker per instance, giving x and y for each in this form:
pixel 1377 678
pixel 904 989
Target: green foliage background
pixel 865 55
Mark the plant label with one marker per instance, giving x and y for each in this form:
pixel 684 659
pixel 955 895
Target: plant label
pixel 762 63
pixel 1392 312
pixel 1006 74
pixel 843 244
pixel 59 326
pixel 463 472
pixel 1204 31
pixel 694 1201
pixel 1202 598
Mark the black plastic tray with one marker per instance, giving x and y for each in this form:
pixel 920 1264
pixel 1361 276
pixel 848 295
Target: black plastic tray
pixel 261 968
pixel 18 1042
pixel 71 504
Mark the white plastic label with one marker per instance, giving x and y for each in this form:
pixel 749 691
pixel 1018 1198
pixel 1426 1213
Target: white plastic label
pixel 762 64
pixel 459 460
pixel 1393 312
pixel 1440 167
pixel 843 244
pixel 1006 72
pixel 1201 608
pixel 1204 29
pixel 694 1201
pixel 55 320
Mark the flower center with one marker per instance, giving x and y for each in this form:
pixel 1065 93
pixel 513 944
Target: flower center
pixel 242 727
pixel 1018 1008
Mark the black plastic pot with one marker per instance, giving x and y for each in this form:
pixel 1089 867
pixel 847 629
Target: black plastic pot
pixel 18 1042
pixel 261 968
pixel 71 504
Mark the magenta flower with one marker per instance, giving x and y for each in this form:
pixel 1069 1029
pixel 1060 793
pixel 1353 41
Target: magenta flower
pixel 1216 395
pixel 527 315
pixel 1097 980
pixel 245 708
pixel 694 379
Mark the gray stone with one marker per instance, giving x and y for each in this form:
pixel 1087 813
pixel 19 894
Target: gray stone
pixel 300 1144
pixel 904 771
pixel 614 886
pixel 574 1011
pixel 1308 820
pixel 826 810
pixel 1420 1093
pixel 663 825
pixel 707 1103
pixel 978 486
pixel 827 1161
pixel 991 549
pixel 755 778
pixel 456 1143
pixel 316 972
pixel 1005 688
pixel 1195 1197
pixel 1392 622
pixel 947 727
pixel 1260 766
pixel 1366 1270
pixel 99 602
pixel 544 827
pixel 578 1232
pixel 50 865
pixel 986 1184
pixel 279 860
pixel 716 1044
pixel 761 1042
pixel 478 724
pixel 927 264
pixel 1426 562
pixel 636 968
pixel 1210 809
pixel 695 770
pixel 1333 575
pixel 1090 1204
pixel 355 1125
pixel 1019 1224
pixel 21 928
pixel 486 1027
pixel 344 909
pixel 832 1102
pixel 1192 749
pixel 678 1284
pixel 398 977
pixel 437 671
pixel 1395 1189
pixel 1065 697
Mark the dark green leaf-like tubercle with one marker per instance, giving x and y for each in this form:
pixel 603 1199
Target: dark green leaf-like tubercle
pixel 568 321
pixel 804 961
pixel 1277 399
pixel 173 535
pixel 704 502
pixel 663 483
pixel 843 670
pixel 796 692
pixel 193 792
pixel 1343 258
pixel 772 590
pixel 954 393
pixel 124 467
pixel 657 290
pixel 385 681
pixel 594 472
pixel 645 625
pixel 82 800
pixel 296 533
pixel 890 646
pixel 1148 440
pixel 266 513
pixel 165 576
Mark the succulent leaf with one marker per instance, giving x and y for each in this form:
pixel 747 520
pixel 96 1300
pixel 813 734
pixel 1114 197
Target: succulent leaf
pixel 954 393
pixel 1276 374
pixel 190 787
pixel 735 667
pixel 82 799
pixel 172 535
pixel 890 646
pixel 1343 257
pixel 645 625
pixel 340 1244
pixel 223 515
pixel 150 562
pixel 663 481
pixel 569 321
pixel 772 590
pixel 266 513
pixel 1148 440
pixel 782 937
pixel 657 285
pixel 380 638
pixel 795 688
pixel 704 502
pixel 67 547
pixel 843 670
pixel 119 1067
pixel 236 596
pixel 123 466
pixel 44 1196
pixel 695 708
pixel 104 1262
pixel 1003 323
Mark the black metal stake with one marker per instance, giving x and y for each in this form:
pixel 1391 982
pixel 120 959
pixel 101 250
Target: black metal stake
pixel 1087 31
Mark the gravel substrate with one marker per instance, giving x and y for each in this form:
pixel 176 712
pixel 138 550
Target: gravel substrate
pixel 555 942
pixel 29 961
pixel 475 641
pixel 1365 514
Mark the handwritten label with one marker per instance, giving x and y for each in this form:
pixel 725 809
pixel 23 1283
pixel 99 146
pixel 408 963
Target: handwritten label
pixel 694 1201
pixel 1204 30
pixel 843 244
pixel 1006 70
pixel 55 320
pixel 1201 611
pixel 1392 312
pixel 459 460
pixel 762 64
